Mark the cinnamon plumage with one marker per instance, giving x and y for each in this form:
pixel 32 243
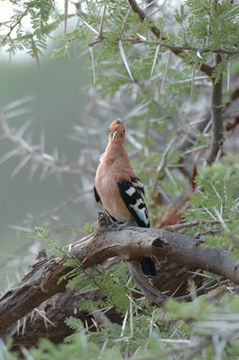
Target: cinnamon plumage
pixel 119 190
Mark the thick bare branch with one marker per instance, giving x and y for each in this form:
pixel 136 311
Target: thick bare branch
pixel 135 242
pixel 130 243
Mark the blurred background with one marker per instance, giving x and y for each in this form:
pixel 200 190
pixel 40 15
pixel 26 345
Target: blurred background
pixel 50 100
pixel 58 104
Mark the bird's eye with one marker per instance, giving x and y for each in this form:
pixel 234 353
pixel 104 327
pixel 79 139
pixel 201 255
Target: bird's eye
pixel 123 131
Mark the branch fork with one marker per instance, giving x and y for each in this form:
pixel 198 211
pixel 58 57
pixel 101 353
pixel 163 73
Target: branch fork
pixel 130 243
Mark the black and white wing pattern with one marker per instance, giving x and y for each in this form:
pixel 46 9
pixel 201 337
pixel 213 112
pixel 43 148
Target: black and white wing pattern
pixel 132 192
pixel 97 198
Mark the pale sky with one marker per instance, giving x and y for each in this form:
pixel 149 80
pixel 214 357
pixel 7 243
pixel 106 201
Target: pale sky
pixel 7 10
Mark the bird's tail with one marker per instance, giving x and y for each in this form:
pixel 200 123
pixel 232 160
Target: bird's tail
pixel 148 266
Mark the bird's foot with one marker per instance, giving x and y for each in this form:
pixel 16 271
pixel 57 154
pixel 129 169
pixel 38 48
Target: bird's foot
pixel 118 225
pixel 104 220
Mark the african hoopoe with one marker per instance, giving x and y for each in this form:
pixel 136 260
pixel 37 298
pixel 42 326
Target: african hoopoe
pixel 119 190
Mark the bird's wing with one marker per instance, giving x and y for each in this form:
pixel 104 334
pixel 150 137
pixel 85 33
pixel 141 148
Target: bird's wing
pixel 132 192
pixel 97 198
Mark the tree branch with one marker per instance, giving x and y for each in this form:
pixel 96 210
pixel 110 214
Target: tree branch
pixel 131 243
pixel 207 69
pixel 39 284
pixel 134 242
pixel 152 293
pixel 217 117
pixel 48 320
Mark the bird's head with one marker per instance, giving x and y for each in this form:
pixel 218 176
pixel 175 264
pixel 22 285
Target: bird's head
pixel 117 132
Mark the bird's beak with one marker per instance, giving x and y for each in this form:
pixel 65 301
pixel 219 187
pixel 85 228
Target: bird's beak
pixel 115 135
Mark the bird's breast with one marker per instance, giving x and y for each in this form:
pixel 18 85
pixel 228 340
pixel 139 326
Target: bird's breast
pixel 107 188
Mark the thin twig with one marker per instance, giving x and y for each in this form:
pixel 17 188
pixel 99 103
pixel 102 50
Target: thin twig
pixel 164 158
pixel 165 74
pixel 65 15
pixel 204 289
pixel 12 27
pixel 177 227
pixel 102 21
pixel 178 48
pixel 124 23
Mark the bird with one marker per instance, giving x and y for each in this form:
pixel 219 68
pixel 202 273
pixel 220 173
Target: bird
pixel 119 190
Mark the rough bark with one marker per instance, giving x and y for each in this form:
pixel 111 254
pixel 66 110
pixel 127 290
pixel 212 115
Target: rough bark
pixel 131 243
pixel 39 284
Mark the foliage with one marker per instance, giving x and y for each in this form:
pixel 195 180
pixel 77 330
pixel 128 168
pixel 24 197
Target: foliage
pixel 217 200
pixel 43 235
pixel 150 81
